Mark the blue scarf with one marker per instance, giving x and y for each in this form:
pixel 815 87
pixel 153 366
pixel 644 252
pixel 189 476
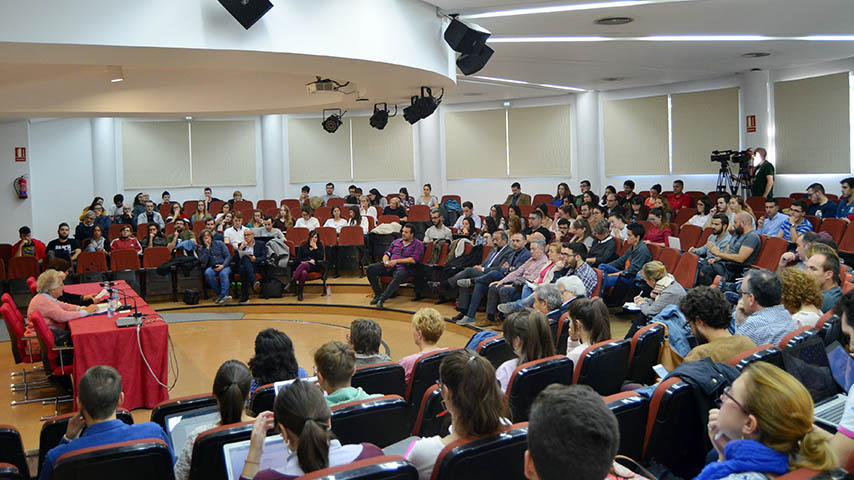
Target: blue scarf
pixel 746 456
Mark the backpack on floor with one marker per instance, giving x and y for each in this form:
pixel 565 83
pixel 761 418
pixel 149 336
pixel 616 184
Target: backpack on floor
pixel 271 288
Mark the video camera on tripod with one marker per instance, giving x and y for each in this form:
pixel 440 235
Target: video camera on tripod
pixel 727 181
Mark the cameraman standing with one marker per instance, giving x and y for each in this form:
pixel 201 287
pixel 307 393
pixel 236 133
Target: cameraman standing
pixel 763 175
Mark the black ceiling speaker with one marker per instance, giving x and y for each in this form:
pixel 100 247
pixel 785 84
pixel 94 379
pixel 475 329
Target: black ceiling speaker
pixel 247 12
pixel 464 39
pixel 472 63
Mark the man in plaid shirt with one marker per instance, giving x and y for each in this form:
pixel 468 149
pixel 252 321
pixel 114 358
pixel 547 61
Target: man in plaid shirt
pixel 399 262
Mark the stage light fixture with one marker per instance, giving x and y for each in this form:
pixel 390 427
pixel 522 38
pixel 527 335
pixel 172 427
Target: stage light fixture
pixel 470 42
pixel 380 117
pixel 423 106
pixel 333 121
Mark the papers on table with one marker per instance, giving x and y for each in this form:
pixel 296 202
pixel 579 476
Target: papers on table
pixel 631 306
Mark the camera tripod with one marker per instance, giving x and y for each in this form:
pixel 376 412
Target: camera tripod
pixel 728 182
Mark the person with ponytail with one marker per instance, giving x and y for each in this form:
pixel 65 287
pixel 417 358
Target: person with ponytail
pixel 764 428
pixel 304 419
pixel 589 324
pixel 230 389
pixel 527 333
pixel 474 401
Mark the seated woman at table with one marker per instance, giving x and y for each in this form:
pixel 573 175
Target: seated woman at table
pixel 56 314
pixel 304 419
pixel 230 389
pixel 274 359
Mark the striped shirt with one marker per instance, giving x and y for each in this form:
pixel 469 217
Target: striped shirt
pixel 768 325
pixel 804 227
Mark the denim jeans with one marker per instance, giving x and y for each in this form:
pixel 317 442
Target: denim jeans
pixel 223 275
pixel 481 289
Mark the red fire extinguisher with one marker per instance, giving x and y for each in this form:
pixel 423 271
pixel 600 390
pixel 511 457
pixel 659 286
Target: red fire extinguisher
pixel 20 184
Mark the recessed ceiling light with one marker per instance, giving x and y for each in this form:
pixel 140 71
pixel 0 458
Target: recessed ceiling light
pixel 567 8
pixel 614 21
pixel 531 84
pixel 755 54
pixel 613 79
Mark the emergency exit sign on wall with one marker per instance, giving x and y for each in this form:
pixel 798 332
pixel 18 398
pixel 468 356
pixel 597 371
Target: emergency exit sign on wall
pixel 750 122
pixel 20 154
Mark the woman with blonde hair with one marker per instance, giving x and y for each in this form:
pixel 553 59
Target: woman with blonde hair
pixel 764 428
pixel 801 296
pixel 283 220
pixel 427 328
pixel 528 335
pixel 665 289
pixel 514 225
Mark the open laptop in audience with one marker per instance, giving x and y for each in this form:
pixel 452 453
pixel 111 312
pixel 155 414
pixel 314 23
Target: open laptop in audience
pixel 278 385
pixel 829 411
pixel 674 242
pixel 275 455
pixel 180 425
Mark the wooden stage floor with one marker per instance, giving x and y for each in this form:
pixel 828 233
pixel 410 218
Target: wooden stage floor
pixel 202 346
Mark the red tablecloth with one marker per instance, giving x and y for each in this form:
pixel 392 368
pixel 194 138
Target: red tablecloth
pixel 97 341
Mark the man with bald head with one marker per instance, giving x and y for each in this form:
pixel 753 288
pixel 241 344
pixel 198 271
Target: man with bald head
pixel 741 252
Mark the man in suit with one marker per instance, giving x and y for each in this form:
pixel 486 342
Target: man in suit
pixel 249 257
pixel 517 197
pixel 497 257
pixel 512 257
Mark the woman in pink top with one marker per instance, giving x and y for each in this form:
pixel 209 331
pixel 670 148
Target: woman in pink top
pixel 56 314
pixel 428 326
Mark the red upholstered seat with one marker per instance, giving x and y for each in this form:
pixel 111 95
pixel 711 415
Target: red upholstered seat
pixel 689 235
pixel 686 270
pixel 670 258
pixel 89 262
pixel 23 267
pixel 50 354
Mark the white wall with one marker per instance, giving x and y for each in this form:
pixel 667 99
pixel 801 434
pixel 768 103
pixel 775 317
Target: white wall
pixel 16 212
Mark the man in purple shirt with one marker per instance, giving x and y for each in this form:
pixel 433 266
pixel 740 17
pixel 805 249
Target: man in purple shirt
pixel 399 261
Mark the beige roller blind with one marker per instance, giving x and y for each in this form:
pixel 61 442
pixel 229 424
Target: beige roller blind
pixel 703 122
pixel 223 152
pixel 636 136
pixel 155 154
pixel 476 144
pixel 382 154
pixel 812 131
pixel 539 141
pixel 316 155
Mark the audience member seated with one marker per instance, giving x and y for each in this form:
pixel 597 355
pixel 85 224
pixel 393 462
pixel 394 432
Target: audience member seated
pixel 474 401
pixel 267 230
pixel 257 219
pixel 62 251
pixel 307 220
pixel 801 296
pixel 101 218
pixel 563 196
pixel 720 237
pixel 516 196
pixel 612 205
pixel 98 243
pixel 165 200
pixel 126 241
pixel 428 198
pixel 759 314
pixel 571 288
pixel 497 215
pixel 704 213
pixel 181 235
pixel 357 220
pixel 528 335
pixel 274 359
pixel 589 324
pixel 608 190
pixel 845 208
pixel 737 205
pixel 764 428
pixel 305 195
pixel 468 212
pixel 678 199
pixel 149 216
pixel 56 313
pixel 549 301
pixel 304 419
pixel 582 232
pixel 437 230
pixel 250 259
pixel 284 220
pixel 395 208
pixel 365 338
pixel 154 237
pixel 377 199
pixel 235 234
pixel 546 221
pixel 84 229
pixel 584 187
pixel 509 287
pixel 208 198
pixel 309 259
pixel 740 253
pixel 821 206
pixel 335 363
pixel 99 392
pixel 573 256
pixel 366 209
pixel 843 441
pixel 598 214
pixel 174 212
pixel 399 262
pixel 126 217
pixel 618 226
pixel 662 203
pixel 139 202
pixel 660 231
pixel 351 198
pixel 91 207
pixel 604 248
pixel 201 214
pixel 237 196
pixel 561 439
pixel 330 193
pixel 639 211
pixel 709 315
pixel 337 221
pixel 116 210
pixel 28 246
pixel 210 224
pixel 405 200
pixel 562 233
pixel 548 273
pixel 427 328
pixel 226 222
pixel 215 262
pixel 665 291
pixel 220 217
pixel 231 391
pixel 513 211
pixel 824 265
pixel 796 224
pixel 772 222
pixel 621 272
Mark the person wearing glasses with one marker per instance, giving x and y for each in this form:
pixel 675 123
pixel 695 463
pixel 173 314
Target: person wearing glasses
pixel 797 223
pixel 708 314
pixel 764 428
pixel 760 315
pixel 535 224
